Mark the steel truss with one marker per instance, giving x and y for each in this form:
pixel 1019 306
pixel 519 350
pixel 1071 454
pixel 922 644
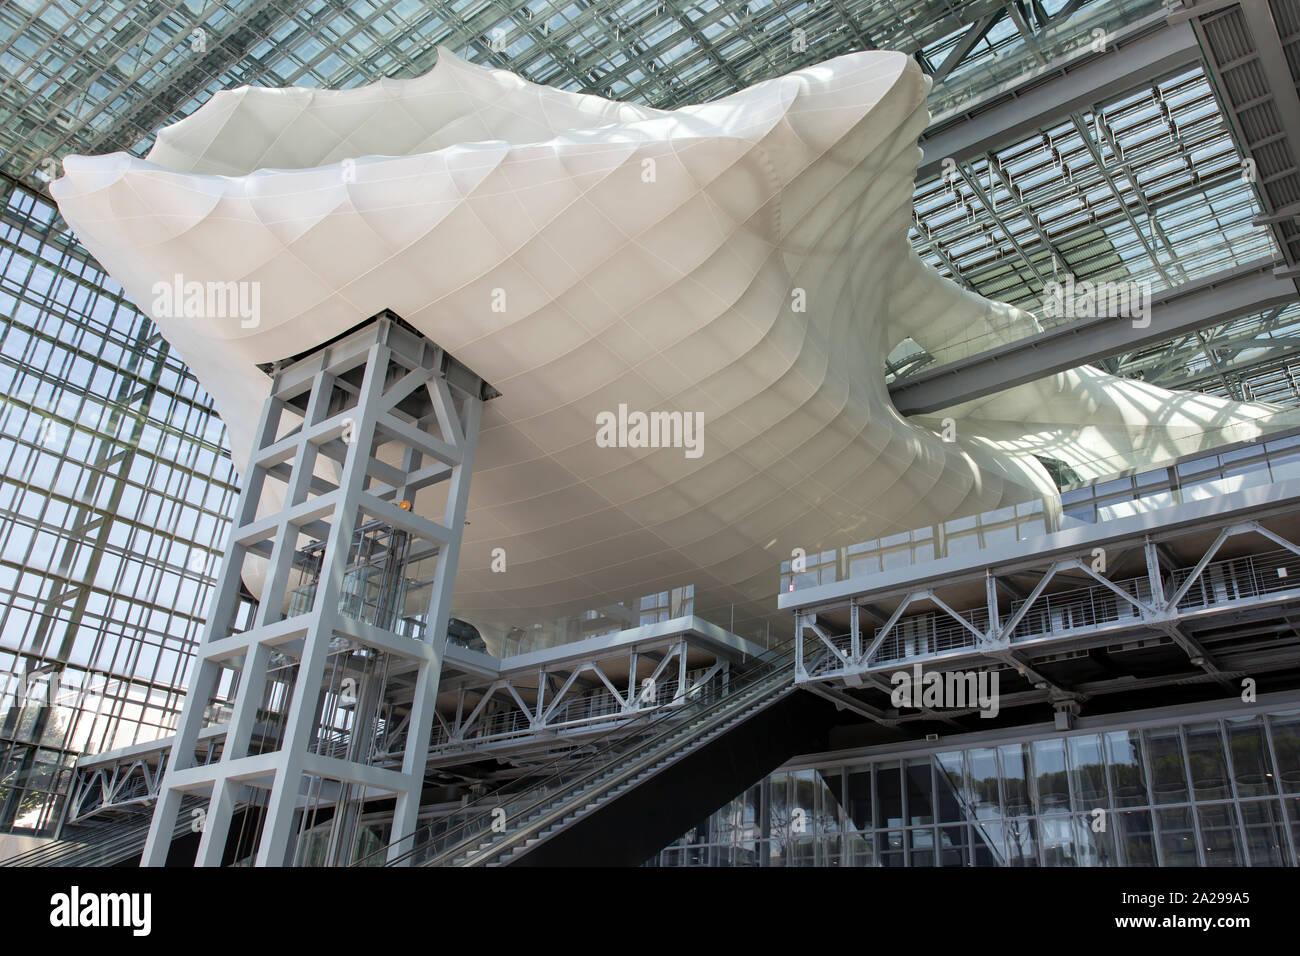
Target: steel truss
pixel 568 700
pixel 481 711
pixel 117 786
pixel 340 449
pixel 1229 613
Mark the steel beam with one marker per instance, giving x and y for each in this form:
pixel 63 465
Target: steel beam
pixel 1182 309
pixel 1064 86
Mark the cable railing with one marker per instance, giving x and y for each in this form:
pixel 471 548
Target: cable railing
pixel 1228 467
pixel 498 821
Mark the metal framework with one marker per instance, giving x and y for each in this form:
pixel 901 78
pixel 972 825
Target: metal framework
pixel 92 78
pixel 1138 175
pixel 518 711
pixel 1203 591
pixel 566 701
pixel 319 658
pixel 1182 310
pixel 1248 47
pixel 114 786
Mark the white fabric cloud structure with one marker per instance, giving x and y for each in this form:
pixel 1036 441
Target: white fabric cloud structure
pixel 746 260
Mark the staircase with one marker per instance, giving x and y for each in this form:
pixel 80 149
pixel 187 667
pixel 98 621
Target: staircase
pixel 644 784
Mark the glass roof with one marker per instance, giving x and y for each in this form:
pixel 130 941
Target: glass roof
pixel 88 76
pixel 1146 187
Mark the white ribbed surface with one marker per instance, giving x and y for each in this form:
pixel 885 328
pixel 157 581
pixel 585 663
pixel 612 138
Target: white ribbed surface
pixel 673 294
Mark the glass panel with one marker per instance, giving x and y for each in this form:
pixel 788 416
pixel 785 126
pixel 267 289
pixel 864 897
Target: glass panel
pixel 1208 764
pixel 752 818
pixel 1252 764
pixel 1286 747
pixel 858 801
pixel 922 846
pixel 781 819
pixel 803 802
pixel 889 794
pixel 920 792
pixel 803 852
pixel 952 799
pixel 830 851
pixel 1219 834
pixel 987 845
pixel 891 848
pixel 984 783
pixel 1177 839
pixel 1168 774
pixel 1293 813
pixel 1057 835
pixel 1021 841
pixel 1096 846
pixel 1265 833
pixel 1015 778
pixel 953 846
pixel 1088 770
pixel 1128 779
pixel 1135 838
pixel 1053 784
pixel 862 849
pixel 829 783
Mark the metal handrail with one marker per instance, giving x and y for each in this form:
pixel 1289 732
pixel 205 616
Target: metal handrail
pixel 115 844
pixel 1249 576
pixel 625 772
pixel 556 777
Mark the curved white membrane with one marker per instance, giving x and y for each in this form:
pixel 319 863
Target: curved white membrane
pixel 650 259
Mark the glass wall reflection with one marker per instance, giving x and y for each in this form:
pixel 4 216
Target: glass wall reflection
pixel 1201 792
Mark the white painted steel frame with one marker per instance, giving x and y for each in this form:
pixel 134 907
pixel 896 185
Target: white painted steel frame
pixel 1158 602
pixel 364 486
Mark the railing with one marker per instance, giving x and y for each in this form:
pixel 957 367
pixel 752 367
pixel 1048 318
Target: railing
pixel 1192 478
pixel 1236 579
pixel 524 806
pixel 922 635
pixel 586 712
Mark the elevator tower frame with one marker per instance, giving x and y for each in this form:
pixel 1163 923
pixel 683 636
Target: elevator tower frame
pixel 348 435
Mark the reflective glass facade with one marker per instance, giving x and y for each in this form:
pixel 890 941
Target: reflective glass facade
pixel 1214 791
pixel 115 487
pixel 115 482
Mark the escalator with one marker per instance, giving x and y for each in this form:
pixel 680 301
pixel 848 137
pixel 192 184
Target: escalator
pixel 633 792
pixel 118 844
pixel 122 843
pixel 643 785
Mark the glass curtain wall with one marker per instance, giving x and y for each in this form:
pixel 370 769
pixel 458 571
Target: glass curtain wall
pixel 1200 792
pixel 115 486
